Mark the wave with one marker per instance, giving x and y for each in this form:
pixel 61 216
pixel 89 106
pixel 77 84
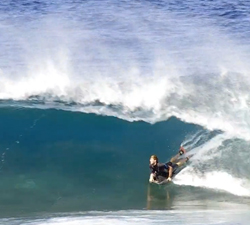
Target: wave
pixel 119 62
pixel 55 156
pixel 141 74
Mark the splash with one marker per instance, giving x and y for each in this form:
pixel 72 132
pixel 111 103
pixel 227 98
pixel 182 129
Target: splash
pixel 132 62
pixel 219 163
pixel 215 180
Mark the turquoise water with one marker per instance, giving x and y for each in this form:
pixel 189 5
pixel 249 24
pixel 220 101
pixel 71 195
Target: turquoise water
pixel 59 160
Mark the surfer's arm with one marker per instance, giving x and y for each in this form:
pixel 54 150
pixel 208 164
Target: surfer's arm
pixel 151 178
pixel 170 172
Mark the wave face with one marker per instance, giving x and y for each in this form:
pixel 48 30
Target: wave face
pixel 56 160
pixel 89 90
pixel 59 160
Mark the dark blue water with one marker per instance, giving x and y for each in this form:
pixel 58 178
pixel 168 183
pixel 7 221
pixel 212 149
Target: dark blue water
pixel 90 89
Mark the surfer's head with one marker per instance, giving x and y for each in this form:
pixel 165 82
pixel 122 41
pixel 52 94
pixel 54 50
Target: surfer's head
pixel 153 160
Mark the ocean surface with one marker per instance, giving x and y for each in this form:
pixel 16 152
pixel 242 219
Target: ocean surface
pixel 89 90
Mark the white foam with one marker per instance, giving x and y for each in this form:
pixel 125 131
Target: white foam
pixel 215 164
pixel 215 180
pixel 151 72
pixel 147 217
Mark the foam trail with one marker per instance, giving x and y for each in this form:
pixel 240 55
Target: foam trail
pixel 191 141
pixel 215 165
pixel 184 217
pixel 215 180
pixel 203 150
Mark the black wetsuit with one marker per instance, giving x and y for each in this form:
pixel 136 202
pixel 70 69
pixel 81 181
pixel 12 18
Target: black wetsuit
pixel 161 170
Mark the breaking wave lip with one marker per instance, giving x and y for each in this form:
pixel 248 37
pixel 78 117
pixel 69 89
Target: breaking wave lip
pixel 97 107
pixel 161 70
pixel 139 113
pixel 198 78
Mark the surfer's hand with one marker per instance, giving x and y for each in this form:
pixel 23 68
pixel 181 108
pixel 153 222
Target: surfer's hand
pixel 151 178
pixel 169 179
